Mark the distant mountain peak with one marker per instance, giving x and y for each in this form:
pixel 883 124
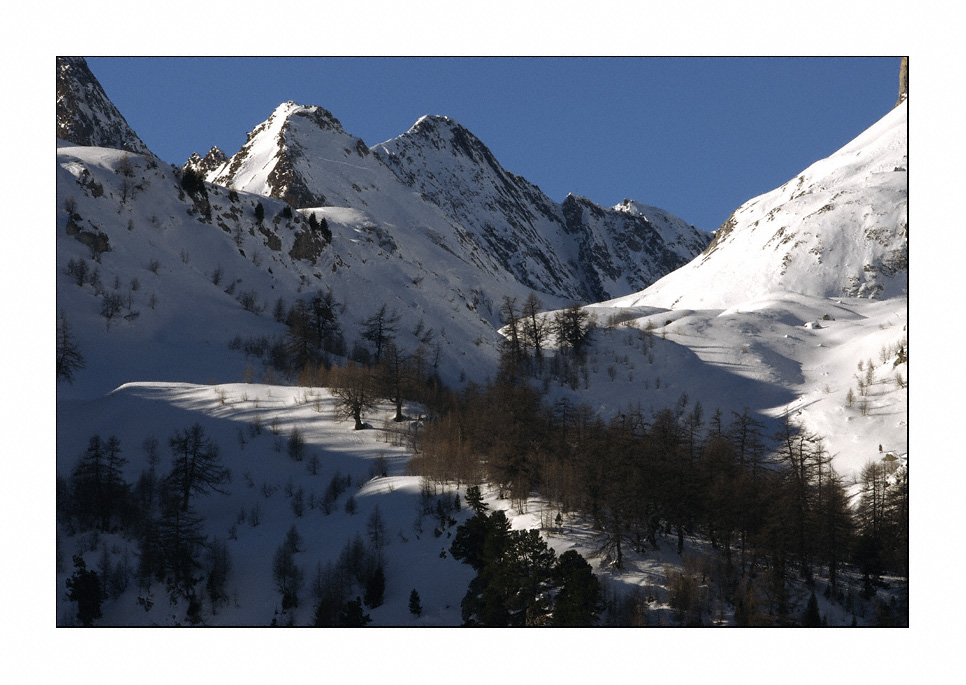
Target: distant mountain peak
pixel 85 115
pixel 211 161
pixel 320 116
pixel 442 132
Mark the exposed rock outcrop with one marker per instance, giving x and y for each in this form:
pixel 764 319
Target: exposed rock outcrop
pixel 85 115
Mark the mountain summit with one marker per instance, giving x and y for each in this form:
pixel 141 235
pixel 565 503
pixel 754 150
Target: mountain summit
pixel 441 179
pixel 85 115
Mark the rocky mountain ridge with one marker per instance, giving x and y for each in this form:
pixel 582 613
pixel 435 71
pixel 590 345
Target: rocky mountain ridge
pixel 442 179
pixel 85 115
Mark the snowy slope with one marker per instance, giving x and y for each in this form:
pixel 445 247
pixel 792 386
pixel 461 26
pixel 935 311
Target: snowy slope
pixel 839 228
pixel 781 353
pixel 257 509
pixel 802 290
pixel 156 251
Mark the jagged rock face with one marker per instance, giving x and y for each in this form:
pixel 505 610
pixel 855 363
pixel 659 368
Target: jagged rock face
pixel 205 165
pixel 622 249
pixel 578 250
pixel 464 200
pixel 85 116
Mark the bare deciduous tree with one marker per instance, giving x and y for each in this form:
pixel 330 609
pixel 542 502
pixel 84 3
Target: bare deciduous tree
pixel 356 391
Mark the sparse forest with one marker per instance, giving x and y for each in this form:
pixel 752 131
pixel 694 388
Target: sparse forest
pixel 776 515
pixel 771 505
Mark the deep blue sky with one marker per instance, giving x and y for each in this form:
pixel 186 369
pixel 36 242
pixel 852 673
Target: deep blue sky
pixel 695 136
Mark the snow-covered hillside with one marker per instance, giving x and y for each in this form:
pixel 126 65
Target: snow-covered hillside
pixel 783 353
pixel 268 493
pixel 190 282
pixel 838 229
pixel 803 291
pixel 165 282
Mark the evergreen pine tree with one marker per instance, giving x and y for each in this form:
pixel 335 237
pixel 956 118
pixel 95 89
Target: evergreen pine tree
pixel 474 499
pixel 812 618
pixel 180 538
pixel 288 576
pixel 197 467
pixel 415 605
pixel 99 492
pixel 375 587
pixel 69 357
pixel 352 615
pixel 580 599
pixel 293 541
pixel 218 564
pixel 84 587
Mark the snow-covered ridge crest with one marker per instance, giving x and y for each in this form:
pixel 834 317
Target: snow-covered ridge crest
pixel 440 179
pixel 553 247
pixel 839 228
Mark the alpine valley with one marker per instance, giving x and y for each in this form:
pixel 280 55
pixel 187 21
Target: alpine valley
pixel 319 382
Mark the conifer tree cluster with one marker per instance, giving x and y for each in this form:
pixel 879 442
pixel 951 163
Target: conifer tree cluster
pixel 520 582
pixel 157 512
pixel 342 589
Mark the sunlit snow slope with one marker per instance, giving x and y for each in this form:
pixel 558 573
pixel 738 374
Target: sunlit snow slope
pixel 837 229
pixel 804 288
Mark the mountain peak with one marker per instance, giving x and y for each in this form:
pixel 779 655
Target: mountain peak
pixel 434 122
pixel 442 132
pixel 85 115
pixel 215 159
pixel 321 117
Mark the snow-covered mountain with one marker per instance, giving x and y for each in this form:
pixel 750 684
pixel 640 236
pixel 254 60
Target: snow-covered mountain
pixel 540 241
pixel 122 213
pixel 838 229
pixel 797 308
pixel 804 288
pixel 85 115
pixel 440 179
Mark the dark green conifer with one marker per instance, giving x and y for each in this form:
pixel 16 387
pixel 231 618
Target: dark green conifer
pixel 812 618
pixel 84 587
pixel 415 605
pixel 352 615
